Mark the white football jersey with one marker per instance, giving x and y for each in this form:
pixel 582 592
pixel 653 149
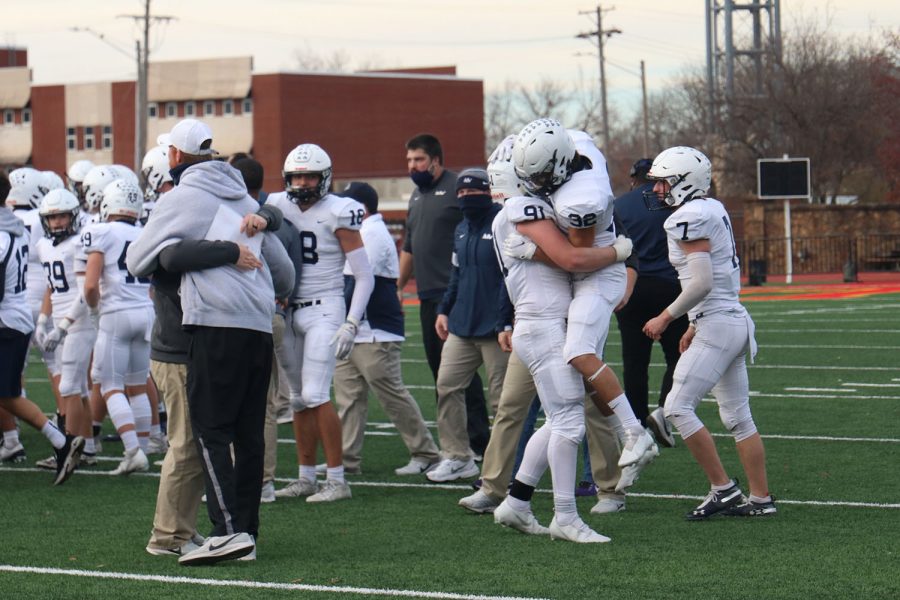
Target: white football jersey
pixel 34 276
pixel 59 273
pixel 537 291
pixel 323 258
pixel 699 219
pixel 119 289
pixel 14 310
pixel 587 200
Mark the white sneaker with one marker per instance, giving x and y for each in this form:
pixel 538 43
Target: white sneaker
pixel 577 531
pixel 158 444
pixel 218 548
pixel 252 555
pixel 268 492
pixel 330 491
pixel 635 443
pixel 631 473
pixel 295 489
pixel 661 428
pixel 523 521
pixel 451 470
pixel 415 466
pixel 605 506
pixel 188 546
pixel 479 502
pixel 136 461
pixel 15 454
pixel 98 445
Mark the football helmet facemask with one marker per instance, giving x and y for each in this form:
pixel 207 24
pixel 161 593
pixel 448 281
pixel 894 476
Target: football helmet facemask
pixel 307 159
pixel 59 202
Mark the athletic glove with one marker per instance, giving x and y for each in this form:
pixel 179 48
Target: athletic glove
pixel 343 338
pixel 41 330
pixel 56 335
pixel 623 247
pixel 518 246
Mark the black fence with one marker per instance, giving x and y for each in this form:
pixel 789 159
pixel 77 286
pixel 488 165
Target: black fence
pixel 820 254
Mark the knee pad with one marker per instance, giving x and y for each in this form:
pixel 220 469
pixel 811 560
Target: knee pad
pixel 737 419
pixel 683 417
pixel 569 424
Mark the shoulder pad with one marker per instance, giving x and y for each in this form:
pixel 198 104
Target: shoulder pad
pixel 521 209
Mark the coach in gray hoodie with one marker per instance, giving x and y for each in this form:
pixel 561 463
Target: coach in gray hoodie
pixel 228 312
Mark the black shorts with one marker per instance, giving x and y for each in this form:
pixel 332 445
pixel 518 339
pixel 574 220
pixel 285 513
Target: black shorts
pixel 13 352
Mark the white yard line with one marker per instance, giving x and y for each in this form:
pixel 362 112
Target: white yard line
pixel 263 585
pixel 812 389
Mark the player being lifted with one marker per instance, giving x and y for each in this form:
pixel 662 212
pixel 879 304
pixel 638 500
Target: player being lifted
pixel 322 328
pixel 122 351
pixel 714 348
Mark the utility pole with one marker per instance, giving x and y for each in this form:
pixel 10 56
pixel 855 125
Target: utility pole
pixel 601 35
pixel 143 64
pixel 646 112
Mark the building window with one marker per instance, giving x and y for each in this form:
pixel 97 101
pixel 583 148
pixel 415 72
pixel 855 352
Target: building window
pixel 209 108
pixel 247 106
pixel 88 138
pixel 152 110
pixel 171 109
pixel 71 139
pixel 9 116
pixel 228 107
pixel 189 109
pixel 107 137
pixel 26 115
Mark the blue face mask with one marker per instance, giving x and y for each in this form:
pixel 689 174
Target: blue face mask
pixel 475 206
pixel 422 179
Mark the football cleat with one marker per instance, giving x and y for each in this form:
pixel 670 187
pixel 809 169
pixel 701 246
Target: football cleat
pixel 606 506
pixel 753 509
pixel 16 454
pixel 67 458
pixel 635 442
pixel 716 502
pixel 479 502
pixel 297 488
pixel 331 491
pixel 631 473
pixel 520 520
pixel 577 531
pixel 661 428
pixel 132 462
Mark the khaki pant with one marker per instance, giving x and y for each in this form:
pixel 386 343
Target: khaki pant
pixel 181 481
pixel 518 392
pixel 377 366
pixel 273 403
pixel 460 359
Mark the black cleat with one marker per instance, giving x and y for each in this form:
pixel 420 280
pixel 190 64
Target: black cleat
pixel 753 509
pixel 716 502
pixel 67 458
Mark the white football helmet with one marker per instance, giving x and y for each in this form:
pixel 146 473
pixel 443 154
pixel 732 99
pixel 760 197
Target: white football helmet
pixel 687 171
pixel 543 155
pixel 307 158
pixel 504 181
pixel 52 181
pixel 56 202
pixel 121 198
pixel 94 183
pixel 127 174
pixel 155 171
pixel 75 175
pixel 26 188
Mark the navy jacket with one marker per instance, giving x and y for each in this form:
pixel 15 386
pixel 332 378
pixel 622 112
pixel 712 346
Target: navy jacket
pixel 645 228
pixel 476 301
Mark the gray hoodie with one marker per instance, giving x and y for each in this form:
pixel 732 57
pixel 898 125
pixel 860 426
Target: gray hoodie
pixel 223 296
pixel 14 310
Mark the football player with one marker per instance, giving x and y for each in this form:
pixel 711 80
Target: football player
pixel 75 176
pixel 721 334
pixel 122 352
pixel 322 328
pixel 156 176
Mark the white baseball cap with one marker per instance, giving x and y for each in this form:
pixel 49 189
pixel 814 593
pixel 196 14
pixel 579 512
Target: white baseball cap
pixel 190 136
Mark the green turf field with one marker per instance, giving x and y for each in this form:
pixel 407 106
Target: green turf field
pixel 826 397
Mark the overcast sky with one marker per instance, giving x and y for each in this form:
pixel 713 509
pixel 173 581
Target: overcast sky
pixel 498 41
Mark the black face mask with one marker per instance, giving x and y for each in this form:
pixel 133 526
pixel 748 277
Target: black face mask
pixel 475 206
pixel 422 179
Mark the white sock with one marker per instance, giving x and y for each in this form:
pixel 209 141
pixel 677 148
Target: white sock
pixel 89 447
pixel 307 472
pixel 759 499
pixel 131 441
pixel 616 425
pixel 155 431
pixel 140 406
pixel 723 487
pixel 53 434
pixel 563 455
pixel 121 415
pixel 620 406
pixel 534 460
pixel 11 438
pixel 335 473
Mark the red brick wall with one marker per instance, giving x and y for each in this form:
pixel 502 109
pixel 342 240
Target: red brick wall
pixel 13 57
pixel 123 99
pixel 48 128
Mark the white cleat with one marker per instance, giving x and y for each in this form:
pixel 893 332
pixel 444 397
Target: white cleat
pixel 577 531
pixel 267 495
pixel 297 488
pixel 133 462
pixel 606 506
pixel 157 444
pixel 479 502
pixel 519 520
pixel 635 443
pixel 631 473
pixel 331 491
pixel 450 470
